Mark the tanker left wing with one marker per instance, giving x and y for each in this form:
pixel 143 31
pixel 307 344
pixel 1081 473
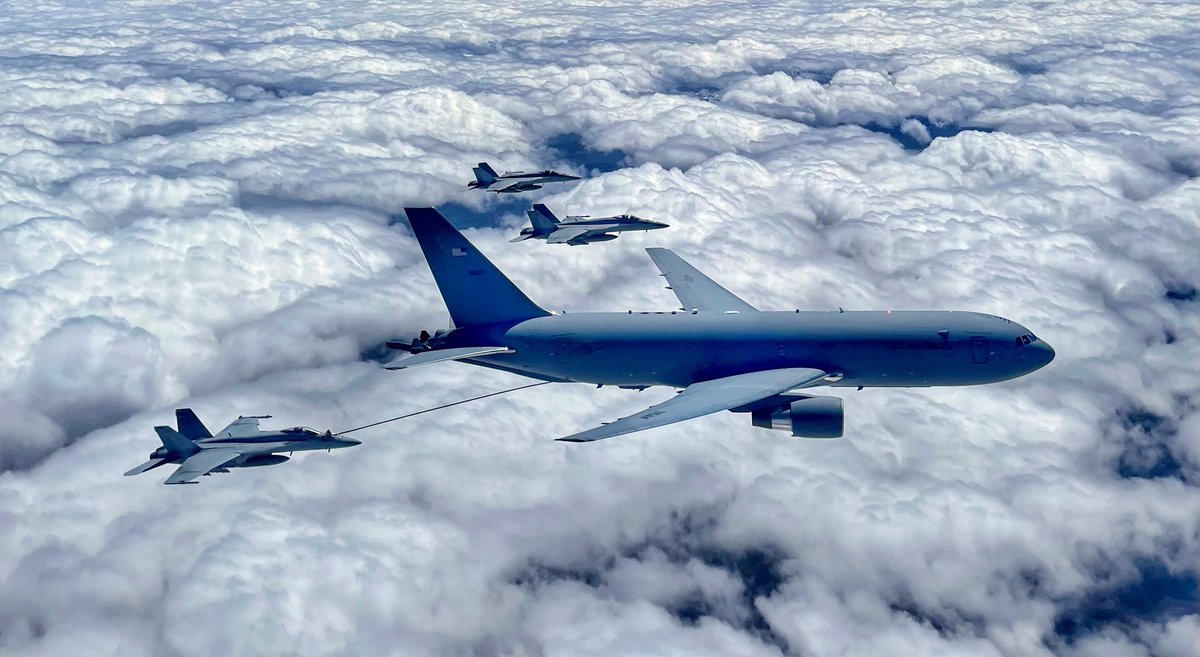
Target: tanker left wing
pixel 705 398
pixel 439 355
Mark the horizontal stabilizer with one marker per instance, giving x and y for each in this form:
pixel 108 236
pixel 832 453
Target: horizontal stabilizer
pixel 148 465
pixel 439 355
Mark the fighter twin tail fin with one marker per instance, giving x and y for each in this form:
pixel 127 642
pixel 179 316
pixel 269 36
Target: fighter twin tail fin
pixel 542 218
pixel 175 442
pixel 485 174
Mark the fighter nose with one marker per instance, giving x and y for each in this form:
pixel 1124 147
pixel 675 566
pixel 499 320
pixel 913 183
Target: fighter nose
pixel 350 442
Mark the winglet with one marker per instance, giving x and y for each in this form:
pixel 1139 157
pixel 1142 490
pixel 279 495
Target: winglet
pixel 695 290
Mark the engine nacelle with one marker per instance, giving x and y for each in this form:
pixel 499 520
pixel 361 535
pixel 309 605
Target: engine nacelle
pixel 260 460
pixel 807 417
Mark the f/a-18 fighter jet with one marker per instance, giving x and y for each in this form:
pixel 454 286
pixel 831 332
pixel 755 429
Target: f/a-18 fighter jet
pixel 239 445
pixel 579 230
pixel 514 181
pixel 724 353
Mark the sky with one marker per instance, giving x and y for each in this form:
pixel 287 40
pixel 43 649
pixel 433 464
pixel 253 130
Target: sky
pixel 201 206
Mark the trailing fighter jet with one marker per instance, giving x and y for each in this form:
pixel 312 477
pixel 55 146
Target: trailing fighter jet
pixel 239 445
pixel 577 230
pixel 724 353
pixel 514 181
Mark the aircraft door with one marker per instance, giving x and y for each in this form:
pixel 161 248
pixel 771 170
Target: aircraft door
pixel 979 349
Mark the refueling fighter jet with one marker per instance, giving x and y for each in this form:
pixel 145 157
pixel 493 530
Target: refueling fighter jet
pixel 722 352
pixel 577 230
pixel 239 445
pixel 514 181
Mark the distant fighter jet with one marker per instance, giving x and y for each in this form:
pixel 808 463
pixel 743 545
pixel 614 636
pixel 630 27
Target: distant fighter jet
pixel 723 352
pixel 514 181
pixel 579 230
pixel 239 445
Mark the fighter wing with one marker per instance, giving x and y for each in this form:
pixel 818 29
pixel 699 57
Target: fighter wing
pixel 243 426
pixel 438 355
pixel 503 185
pixel 695 290
pixel 704 398
pixel 201 463
pixel 567 233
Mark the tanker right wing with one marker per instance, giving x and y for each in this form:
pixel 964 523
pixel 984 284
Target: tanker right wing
pixel 695 290
pixel 705 398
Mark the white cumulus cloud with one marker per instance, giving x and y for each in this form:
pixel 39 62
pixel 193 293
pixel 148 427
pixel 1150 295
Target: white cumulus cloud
pixel 196 210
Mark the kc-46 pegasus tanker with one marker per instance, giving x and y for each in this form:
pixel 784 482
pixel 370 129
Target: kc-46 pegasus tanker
pixel 722 352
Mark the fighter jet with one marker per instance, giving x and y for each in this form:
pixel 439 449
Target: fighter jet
pixel 239 445
pixel 577 230
pixel 512 182
pixel 722 352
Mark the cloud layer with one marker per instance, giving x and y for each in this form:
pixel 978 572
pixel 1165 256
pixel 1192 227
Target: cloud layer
pixel 199 212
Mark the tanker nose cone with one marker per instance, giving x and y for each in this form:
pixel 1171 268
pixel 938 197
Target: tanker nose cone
pixel 1041 353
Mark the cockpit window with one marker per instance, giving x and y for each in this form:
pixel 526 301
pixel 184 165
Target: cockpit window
pixel 1028 338
pixel 303 430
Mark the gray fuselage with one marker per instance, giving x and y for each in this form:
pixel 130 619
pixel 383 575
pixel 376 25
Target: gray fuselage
pixel 872 348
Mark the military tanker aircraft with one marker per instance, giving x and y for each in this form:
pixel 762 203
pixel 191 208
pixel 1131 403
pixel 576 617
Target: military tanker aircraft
pixel 722 352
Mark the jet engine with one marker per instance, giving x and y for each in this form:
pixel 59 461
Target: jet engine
pixel 263 459
pixel 806 417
